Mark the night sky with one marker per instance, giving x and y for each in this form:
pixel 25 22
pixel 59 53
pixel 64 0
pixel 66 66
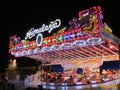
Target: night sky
pixel 21 16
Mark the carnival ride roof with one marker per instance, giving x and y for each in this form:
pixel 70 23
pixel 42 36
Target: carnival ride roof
pixel 109 50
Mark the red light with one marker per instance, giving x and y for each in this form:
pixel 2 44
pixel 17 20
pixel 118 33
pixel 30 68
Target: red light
pixel 97 34
pixel 94 7
pixel 96 20
pixel 99 8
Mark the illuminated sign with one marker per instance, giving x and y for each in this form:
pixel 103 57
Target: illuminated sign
pixel 32 32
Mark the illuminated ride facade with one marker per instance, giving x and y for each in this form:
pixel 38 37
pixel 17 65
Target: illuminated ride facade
pixel 87 42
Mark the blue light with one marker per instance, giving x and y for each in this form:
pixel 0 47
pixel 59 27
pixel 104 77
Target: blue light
pixel 66 37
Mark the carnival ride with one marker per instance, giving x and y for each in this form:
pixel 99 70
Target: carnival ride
pixel 87 42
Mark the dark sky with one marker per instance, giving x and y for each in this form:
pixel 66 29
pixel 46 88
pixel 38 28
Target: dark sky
pixel 23 15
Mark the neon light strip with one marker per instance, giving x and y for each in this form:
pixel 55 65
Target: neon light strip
pixel 72 55
pixel 63 55
pixel 91 50
pixel 115 47
pixel 88 51
pixel 108 50
pixel 77 53
pixel 102 52
pixel 82 52
pixel 72 51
